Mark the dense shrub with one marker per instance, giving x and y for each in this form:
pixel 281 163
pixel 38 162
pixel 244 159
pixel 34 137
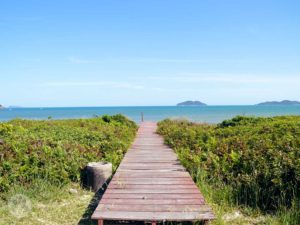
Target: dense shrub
pixel 259 158
pixel 57 150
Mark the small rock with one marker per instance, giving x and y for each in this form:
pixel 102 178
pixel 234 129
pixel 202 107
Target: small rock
pixel 85 197
pixel 73 191
pixel 1 142
pixel 232 216
pixel 40 205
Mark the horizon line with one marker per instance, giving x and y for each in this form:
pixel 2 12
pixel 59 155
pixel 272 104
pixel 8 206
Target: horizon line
pixel 116 106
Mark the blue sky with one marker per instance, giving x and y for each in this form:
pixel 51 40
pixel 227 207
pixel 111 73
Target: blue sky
pixel 148 52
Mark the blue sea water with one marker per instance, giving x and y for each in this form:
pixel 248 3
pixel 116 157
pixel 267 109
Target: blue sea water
pixel 208 114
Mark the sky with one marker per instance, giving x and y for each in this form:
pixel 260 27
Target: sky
pixel 148 52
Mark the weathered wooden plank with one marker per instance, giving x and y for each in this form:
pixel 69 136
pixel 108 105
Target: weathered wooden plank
pixel 157 216
pixel 130 201
pixel 145 161
pixel 128 170
pixel 150 174
pixel 147 156
pixel 149 167
pixel 153 165
pixel 128 178
pixel 154 191
pixel 146 196
pixel 151 186
pixel 158 174
pixel 141 164
pixel 149 182
pixel 153 208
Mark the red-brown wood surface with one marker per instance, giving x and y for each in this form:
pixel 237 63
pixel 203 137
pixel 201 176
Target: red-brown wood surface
pixel 151 185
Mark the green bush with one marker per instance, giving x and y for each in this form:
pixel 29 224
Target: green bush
pixel 57 150
pixel 259 158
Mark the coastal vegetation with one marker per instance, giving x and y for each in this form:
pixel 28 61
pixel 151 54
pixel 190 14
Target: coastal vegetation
pixel 248 168
pixel 58 150
pixel 246 161
pixel 44 161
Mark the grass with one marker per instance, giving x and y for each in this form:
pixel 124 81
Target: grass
pixel 50 204
pixel 71 204
pixel 247 168
pixel 42 201
pixel 42 163
pixel 228 213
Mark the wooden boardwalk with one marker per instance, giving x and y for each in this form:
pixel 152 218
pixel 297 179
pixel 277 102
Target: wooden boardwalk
pixel 151 185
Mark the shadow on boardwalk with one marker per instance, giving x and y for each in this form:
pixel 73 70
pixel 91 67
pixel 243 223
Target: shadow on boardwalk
pixel 86 217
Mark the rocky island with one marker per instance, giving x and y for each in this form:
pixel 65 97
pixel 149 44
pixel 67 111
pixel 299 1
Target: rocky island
pixel 191 103
pixel 1 106
pixel 280 103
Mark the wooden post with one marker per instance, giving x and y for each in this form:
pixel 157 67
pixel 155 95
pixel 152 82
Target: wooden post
pixel 100 222
pixel 142 116
pixel 97 174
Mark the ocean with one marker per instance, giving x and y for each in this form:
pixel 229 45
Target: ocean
pixel 207 114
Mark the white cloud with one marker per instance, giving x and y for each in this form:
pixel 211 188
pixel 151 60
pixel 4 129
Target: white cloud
pixel 77 60
pixel 229 78
pixel 161 60
pixel 123 85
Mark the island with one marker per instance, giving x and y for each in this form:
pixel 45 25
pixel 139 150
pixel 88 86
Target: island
pixel 191 103
pixel 280 103
pixel 1 106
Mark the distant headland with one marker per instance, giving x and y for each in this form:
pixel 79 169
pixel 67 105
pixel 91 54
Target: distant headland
pixel 14 107
pixel 9 107
pixel 284 102
pixel 191 103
